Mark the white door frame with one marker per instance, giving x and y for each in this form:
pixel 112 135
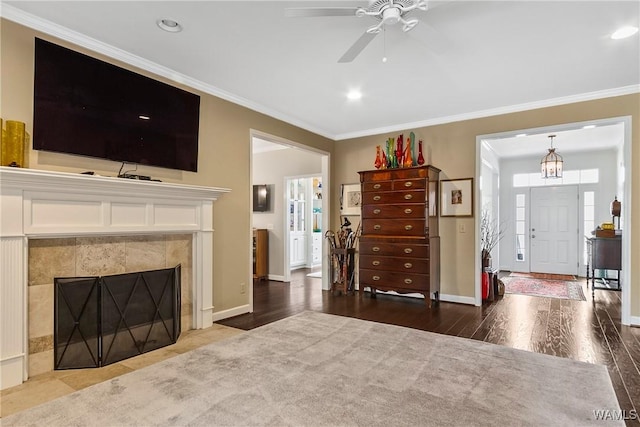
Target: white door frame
pixel 626 318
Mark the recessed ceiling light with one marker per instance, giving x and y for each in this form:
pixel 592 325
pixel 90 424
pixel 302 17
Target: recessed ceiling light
pixel 588 127
pixel 354 95
pixel 624 32
pixel 169 25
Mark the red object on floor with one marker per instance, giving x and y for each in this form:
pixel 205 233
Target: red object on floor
pixel 485 285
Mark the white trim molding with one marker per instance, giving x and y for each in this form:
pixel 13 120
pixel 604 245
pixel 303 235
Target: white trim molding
pixel 235 311
pixel 45 204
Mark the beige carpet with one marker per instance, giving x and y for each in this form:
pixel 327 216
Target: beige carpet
pixel 317 369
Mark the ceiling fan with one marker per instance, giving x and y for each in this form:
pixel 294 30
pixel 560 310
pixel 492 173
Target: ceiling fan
pixel 388 12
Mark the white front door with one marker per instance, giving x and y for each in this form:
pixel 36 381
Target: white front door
pixel 554 229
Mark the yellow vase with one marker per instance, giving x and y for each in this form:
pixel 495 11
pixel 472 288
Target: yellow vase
pixel 13 141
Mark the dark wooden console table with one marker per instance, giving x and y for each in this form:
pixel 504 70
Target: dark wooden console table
pixel 604 253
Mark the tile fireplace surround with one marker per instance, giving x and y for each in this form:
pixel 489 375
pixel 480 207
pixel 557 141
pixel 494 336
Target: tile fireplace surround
pixel 36 204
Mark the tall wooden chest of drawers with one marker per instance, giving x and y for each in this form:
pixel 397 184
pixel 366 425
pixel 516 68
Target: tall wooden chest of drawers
pixel 400 243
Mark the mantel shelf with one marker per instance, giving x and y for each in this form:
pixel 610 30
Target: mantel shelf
pixel 41 180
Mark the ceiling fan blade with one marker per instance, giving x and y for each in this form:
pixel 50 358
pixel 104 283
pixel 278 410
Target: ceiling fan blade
pixel 312 12
pixel 357 47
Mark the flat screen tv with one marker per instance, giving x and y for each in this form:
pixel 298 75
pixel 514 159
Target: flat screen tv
pixel 88 107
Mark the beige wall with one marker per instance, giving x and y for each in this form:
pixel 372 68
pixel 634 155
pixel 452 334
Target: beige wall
pixel 452 148
pixel 223 157
pixel 224 162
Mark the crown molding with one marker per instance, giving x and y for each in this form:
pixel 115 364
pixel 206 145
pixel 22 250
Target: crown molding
pixel 21 17
pixel 587 96
pixel 16 15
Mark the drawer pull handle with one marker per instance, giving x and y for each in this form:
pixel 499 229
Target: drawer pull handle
pixel 377 186
pixel 408 250
pixel 376 198
pixel 377 227
pixel 408 196
pixel 376 278
pixel 375 249
pixel 408 211
pixel 408 184
pixel 376 211
pixel 376 262
pixel 408 265
pixel 408 227
pixel 408 281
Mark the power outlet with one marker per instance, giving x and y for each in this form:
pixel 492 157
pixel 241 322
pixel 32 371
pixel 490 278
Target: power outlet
pixel 462 228
pixel 243 288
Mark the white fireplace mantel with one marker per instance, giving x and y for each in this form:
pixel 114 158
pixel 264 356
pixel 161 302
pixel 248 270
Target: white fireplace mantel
pixel 45 204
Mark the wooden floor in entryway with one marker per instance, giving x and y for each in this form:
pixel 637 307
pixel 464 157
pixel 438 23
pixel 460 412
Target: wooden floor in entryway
pixel 588 331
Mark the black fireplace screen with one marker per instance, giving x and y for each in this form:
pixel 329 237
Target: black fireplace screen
pixel 102 320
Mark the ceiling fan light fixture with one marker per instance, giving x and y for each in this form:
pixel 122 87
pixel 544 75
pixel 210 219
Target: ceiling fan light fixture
pixel 391 15
pixel 409 24
pixel 375 29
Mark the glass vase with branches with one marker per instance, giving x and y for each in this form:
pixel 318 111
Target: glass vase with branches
pixel 490 234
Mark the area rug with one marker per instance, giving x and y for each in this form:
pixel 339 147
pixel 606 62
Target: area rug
pixel 563 289
pixel 548 276
pixel 316 369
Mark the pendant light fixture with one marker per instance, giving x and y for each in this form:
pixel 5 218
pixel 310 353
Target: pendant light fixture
pixel 551 164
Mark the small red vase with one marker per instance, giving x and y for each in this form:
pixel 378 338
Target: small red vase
pixel 378 161
pixel 420 156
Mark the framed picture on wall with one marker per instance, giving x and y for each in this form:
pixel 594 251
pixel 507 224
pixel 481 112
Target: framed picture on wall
pixel 350 199
pixel 456 197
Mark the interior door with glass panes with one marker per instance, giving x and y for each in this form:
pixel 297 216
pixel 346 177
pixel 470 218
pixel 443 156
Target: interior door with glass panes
pixel 297 191
pixel 554 229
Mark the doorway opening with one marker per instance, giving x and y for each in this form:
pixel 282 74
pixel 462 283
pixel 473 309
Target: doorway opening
pixel 297 177
pixel 597 167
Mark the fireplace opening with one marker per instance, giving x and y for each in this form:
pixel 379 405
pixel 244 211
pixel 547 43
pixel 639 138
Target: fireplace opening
pixel 102 320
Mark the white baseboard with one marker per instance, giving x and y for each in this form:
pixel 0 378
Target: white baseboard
pixel 12 371
pixel 634 320
pixel 277 278
pixel 458 299
pixel 236 311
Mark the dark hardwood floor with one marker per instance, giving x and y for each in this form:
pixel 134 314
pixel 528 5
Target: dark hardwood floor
pixel 588 331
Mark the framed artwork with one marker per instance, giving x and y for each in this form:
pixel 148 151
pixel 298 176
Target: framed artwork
pixel 456 197
pixel 350 199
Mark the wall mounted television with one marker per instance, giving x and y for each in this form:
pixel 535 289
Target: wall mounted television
pixel 88 107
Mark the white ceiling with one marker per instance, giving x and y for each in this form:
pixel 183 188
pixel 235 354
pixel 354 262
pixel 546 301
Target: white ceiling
pixel 578 139
pixel 465 59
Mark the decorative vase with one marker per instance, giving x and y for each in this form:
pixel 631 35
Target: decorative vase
pixel 400 150
pixel 414 156
pixel 378 161
pixel 486 259
pixel 390 150
pixel 485 285
pixel 420 156
pixel 408 157
pixel 385 161
pixel 13 144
